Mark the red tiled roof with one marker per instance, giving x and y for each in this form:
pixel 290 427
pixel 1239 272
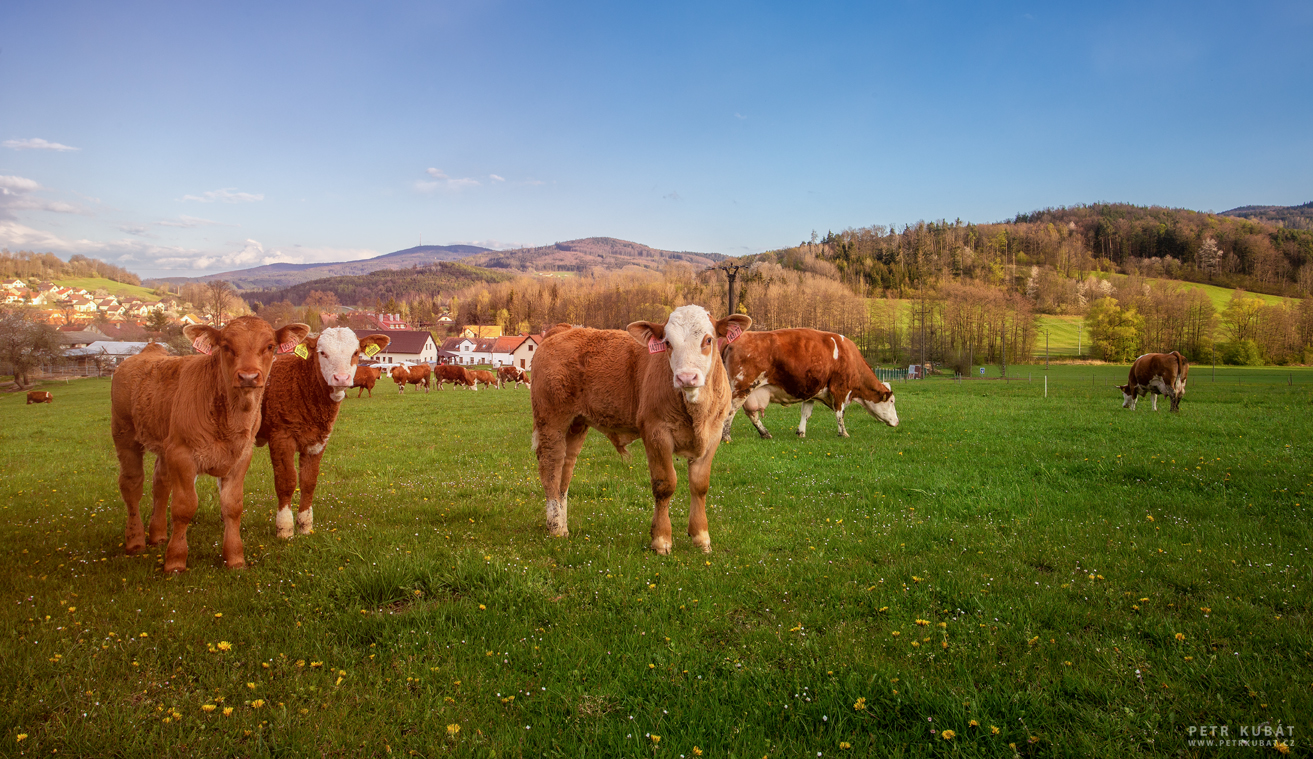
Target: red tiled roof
pixel 403 340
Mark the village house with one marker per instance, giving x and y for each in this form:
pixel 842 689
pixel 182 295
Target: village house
pixel 407 347
pixel 481 330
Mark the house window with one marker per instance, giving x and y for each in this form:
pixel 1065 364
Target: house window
pixel 521 363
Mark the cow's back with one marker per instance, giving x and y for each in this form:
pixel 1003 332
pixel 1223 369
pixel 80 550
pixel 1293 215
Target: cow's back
pixel 799 361
pixel 143 393
pixel 591 373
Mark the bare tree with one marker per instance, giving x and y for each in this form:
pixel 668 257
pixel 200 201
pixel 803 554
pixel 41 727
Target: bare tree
pixel 26 344
pixel 219 297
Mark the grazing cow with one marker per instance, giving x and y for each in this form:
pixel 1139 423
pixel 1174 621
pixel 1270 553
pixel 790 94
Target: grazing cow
pixel 199 415
pixel 1156 374
pixel 301 401
pixel 40 396
pixel 418 374
pixel 787 366
pixel 456 375
pixel 662 383
pixel 366 376
pixel 511 374
pixel 486 377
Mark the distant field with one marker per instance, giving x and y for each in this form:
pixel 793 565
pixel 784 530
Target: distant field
pixel 1036 576
pixel 91 284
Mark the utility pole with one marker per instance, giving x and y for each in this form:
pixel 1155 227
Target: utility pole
pixel 1005 351
pixel 1046 354
pixel 1078 329
pixel 731 273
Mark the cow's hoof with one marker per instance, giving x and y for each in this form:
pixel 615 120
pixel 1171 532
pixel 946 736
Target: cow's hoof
pixel 661 546
pixel 801 433
pixel 134 545
pixel 284 533
pixel 725 438
pixel 703 541
pixel 844 434
pixel 766 436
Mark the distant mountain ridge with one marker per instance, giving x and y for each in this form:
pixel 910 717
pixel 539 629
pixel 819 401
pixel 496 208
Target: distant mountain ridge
pixel 1294 217
pixel 570 256
pixel 276 276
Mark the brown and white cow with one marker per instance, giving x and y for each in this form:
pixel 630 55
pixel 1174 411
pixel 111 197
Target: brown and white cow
pixel 456 375
pixel 788 366
pixel 418 374
pixel 486 377
pixel 301 401
pixel 40 396
pixel 662 383
pixel 1156 374
pixel 199 415
pixel 366 376
pixel 511 374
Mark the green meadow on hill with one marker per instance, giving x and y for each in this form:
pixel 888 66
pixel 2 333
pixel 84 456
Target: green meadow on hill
pixel 1003 574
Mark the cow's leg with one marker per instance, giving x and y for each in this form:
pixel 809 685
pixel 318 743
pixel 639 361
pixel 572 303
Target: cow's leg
pixel 806 414
pixel 1176 402
pixel 661 466
pixel 758 419
pixel 1154 397
pixel 230 504
pixel 132 477
pixel 158 530
pixel 729 420
pixel 309 478
pixel 549 445
pixel 574 443
pixel 699 482
pixel 838 417
pixel 282 452
pixel 182 477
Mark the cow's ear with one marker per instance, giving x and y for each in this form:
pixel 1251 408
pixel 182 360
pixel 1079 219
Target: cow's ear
pixel 732 326
pixel 290 336
pixel 204 338
pixel 372 345
pixel 645 332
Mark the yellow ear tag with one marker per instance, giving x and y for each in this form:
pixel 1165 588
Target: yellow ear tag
pixel 371 349
pixel 302 351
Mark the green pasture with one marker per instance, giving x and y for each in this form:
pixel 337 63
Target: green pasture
pixel 1004 574
pixel 91 284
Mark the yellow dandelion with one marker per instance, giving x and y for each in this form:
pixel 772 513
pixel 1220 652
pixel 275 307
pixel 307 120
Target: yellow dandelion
pixel 257 703
pixel 948 735
pixel 915 644
pixel 208 708
pixel 1281 747
pixel 895 633
pixel 1205 609
pixel 227 711
pixel 251 686
pixel 1150 517
pixel 1180 636
pixel 697 751
pixel 453 728
pixel 973 723
pixel 482 607
pixel 72 608
pixel 922 622
pixel 656 739
pixel 218 615
pixel 651 666
pixel 861 703
pixel 224 645
pixel 993 730
pixel 843 745
pixel 1066 664
pixel 1189 658
pixel 144 635
pixel 21 737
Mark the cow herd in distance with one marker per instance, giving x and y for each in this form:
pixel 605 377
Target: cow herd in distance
pixel 675 385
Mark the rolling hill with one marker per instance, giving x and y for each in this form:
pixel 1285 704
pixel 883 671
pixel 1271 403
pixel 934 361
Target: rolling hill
pixel 588 253
pixel 1292 217
pixel 279 276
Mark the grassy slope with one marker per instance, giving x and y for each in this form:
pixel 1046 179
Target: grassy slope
pixel 1016 526
pixel 91 284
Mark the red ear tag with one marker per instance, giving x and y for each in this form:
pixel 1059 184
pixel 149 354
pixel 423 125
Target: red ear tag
pixel 656 346
pixel 202 345
pixel 287 347
pixel 733 332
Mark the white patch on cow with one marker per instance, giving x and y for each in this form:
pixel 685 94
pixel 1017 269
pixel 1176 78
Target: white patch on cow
pixel 686 328
pixel 557 523
pixel 802 422
pixel 336 347
pixel 703 540
pixel 738 377
pixel 884 410
pixel 533 442
pixel 316 449
pixel 305 521
pixel 836 349
pixel 283 522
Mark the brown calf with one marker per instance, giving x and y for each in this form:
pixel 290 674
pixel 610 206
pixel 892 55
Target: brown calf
pixel 198 415
pixel 484 376
pixel 366 376
pixel 456 375
pixel 416 375
pixel 787 366
pixel 511 374
pixel 1156 374
pixel 40 396
pixel 662 383
pixel 300 405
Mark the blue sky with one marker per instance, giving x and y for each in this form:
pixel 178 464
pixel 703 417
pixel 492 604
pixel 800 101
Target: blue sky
pixel 186 138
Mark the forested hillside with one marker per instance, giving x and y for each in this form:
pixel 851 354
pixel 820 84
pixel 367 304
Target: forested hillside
pixel 47 266
pixel 377 289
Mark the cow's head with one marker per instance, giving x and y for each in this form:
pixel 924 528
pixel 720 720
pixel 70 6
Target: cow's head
pixel 878 402
pixel 1128 397
pixel 688 338
pixel 245 347
pixel 338 352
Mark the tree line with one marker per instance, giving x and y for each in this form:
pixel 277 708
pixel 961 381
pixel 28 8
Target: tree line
pixel 47 266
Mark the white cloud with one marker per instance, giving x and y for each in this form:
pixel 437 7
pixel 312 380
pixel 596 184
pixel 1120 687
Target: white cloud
pixel 441 181
pixel 496 178
pixel 225 195
pixel 36 143
pixel 188 222
pixel 17 194
pixel 136 229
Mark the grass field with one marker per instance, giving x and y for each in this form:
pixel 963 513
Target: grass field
pixel 91 284
pixel 1003 574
